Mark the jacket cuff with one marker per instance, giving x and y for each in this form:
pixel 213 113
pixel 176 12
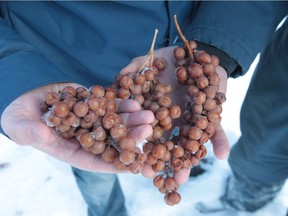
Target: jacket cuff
pixel 228 63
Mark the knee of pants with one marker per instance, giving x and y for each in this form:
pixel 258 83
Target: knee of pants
pixel 266 167
pixel 91 182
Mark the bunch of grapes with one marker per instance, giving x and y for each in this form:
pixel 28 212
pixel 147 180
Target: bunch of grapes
pixel 89 115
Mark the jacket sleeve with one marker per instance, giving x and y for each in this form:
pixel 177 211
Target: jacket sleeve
pixel 22 67
pixel 239 29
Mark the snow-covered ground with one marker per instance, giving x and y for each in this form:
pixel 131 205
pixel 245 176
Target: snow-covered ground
pixel 34 184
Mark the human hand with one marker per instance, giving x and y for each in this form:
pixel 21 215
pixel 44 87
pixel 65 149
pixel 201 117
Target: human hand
pixel 219 140
pixel 22 122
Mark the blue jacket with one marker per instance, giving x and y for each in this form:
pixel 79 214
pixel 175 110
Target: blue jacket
pixel 89 42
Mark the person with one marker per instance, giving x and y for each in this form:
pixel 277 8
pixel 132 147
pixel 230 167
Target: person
pixel 45 46
pixel 259 158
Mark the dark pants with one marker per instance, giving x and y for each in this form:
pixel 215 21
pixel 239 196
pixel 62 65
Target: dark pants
pixel 259 159
pixel 102 193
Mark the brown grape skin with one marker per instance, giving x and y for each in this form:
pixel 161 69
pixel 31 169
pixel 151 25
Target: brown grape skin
pixel 154 106
pixel 192 145
pixel 99 133
pixel 93 103
pixel 60 109
pixel 202 82
pixel 162 113
pixel 151 159
pixel 165 123
pixel 214 60
pixel 118 131
pixel 203 57
pixel 158 181
pixel 182 74
pixel 136 89
pixel 62 128
pixel 195 70
pixel 174 111
pixel 52 120
pixel 172 198
pixel 160 64
pixel 123 93
pixel 98 147
pixel 69 89
pixel 140 79
pixel 159 151
pixel 70 101
pixel 209 104
pixel 70 119
pixel 208 69
pixel 147 147
pixel 169 145
pixel 52 98
pixel 194 133
pixel 159 166
pixel 177 151
pixel 80 109
pixel 213 115
pixel 149 74
pixel 210 91
pixel 157 132
pixel 127 143
pixel 170 183
pixel 176 164
pixel 140 99
pixel 201 122
pixel 135 167
pixel 126 156
pixel 164 101
pixel 192 90
pixel 109 154
pixel 97 91
pixel 86 139
pixel 214 79
pixel 110 119
pixel 179 53
pixel 197 108
pixel 110 94
pixel 199 97
pixel 125 82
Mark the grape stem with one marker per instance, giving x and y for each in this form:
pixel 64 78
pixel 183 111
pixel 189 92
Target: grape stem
pixel 186 42
pixel 150 55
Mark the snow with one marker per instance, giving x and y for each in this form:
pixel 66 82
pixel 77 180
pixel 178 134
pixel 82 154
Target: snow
pixel 35 184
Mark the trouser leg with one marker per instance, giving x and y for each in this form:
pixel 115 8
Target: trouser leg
pixel 102 193
pixel 259 159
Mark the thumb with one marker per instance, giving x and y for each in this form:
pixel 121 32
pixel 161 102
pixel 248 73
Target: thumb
pixel 28 132
pixel 134 66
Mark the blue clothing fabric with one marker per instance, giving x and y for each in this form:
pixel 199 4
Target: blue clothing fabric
pixel 102 193
pixel 89 42
pixel 259 160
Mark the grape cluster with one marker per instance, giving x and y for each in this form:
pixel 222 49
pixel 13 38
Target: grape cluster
pixel 89 115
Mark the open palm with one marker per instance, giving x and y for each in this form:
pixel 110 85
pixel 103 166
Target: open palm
pixel 22 122
pixel 219 140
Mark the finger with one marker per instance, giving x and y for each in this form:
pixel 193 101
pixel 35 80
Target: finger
pixel 182 176
pixel 127 105
pixel 134 66
pixel 220 144
pixel 148 172
pixel 137 118
pixel 28 132
pixel 141 132
pixel 71 152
